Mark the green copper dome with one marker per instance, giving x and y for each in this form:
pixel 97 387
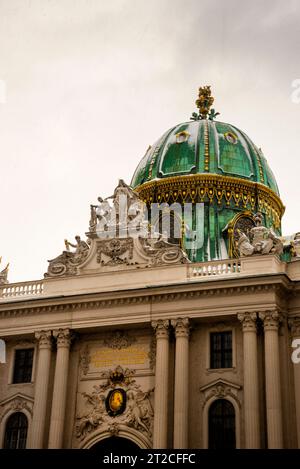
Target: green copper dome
pixel 210 179
pixel 201 147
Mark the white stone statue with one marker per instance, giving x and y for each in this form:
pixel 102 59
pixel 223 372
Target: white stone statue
pixel 119 235
pixel 4 274
pixel 296 245
pixel 261 240
pixel 244 246
pixel 80 248
pixel 67 262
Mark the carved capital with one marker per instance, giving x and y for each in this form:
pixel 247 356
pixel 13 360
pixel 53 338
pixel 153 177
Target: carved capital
pixel 181 326
pixel 294 324
pixel 248 321
pixel 271 319
pixel 63 337
pixel 161 327
pixel 44 339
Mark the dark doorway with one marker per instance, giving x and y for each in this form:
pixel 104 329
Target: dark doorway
pixel 116 444
pixel 221 425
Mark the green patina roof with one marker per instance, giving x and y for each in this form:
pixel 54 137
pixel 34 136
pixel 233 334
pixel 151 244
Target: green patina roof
pixel 230 153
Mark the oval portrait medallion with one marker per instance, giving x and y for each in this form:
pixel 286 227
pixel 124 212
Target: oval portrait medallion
pixel 116 402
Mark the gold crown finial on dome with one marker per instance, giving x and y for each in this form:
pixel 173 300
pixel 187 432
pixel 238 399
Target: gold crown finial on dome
pixel 204 102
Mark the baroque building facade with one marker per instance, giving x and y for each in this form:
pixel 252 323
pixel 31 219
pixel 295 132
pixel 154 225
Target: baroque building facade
pixel 174 324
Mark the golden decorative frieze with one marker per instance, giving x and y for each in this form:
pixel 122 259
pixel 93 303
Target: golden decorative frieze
pixel 213 187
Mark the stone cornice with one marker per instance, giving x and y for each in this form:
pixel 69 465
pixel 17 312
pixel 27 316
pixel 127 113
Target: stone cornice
pixel 168 293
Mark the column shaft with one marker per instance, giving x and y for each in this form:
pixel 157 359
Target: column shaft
pixel 297 397
pixel 181 397
pixel 272 371
pixel 41 389
pixel 161 384
pixel 295 329
pixel 60 388
pixel 251 394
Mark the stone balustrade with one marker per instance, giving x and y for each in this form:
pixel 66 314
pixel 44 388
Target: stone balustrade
pixel 155 276
pixel 224 267
pixel 21 289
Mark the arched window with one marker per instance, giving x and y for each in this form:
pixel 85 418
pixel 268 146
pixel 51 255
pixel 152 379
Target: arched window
pixel 221 425
pixel 16 431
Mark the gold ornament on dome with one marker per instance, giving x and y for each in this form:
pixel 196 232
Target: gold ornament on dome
pixel 205 101
pixel 231 137
pixel 182 136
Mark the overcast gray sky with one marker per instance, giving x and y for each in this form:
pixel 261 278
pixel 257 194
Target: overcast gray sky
pixel 91 83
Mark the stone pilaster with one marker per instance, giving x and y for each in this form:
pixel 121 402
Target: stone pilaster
pixel 181 397
pixel 271 320
pixel 251 392
pixel 161 328
pixel 294 324
pixel 63 337
pixel 44 339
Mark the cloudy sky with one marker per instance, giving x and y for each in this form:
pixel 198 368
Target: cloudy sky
pixel 87 85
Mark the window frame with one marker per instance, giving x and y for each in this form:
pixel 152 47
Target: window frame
pixel 12 363
pixel 216 329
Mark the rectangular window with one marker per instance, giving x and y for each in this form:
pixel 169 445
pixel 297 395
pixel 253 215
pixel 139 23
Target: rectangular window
pixel 221 349
pixel 23 365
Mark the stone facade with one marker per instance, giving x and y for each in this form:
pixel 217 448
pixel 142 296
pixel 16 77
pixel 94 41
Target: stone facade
pixel 144 333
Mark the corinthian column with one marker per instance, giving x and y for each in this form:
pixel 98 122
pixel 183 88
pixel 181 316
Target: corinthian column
pixel 60 388
pixel 251 395
pixel 41 389
pixel 272 370
pixel 161 328
pixel 181 397
pixel 295 330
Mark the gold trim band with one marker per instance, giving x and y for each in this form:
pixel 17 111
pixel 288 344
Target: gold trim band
pixel 214 188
